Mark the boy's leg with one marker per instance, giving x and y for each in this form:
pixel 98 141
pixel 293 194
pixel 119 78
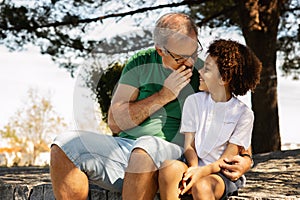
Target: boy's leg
pixel 209 187
pixel 170 175
pixel 141 174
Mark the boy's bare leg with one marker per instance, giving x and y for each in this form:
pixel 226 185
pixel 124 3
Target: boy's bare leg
pixel 209 187
pixel 170 175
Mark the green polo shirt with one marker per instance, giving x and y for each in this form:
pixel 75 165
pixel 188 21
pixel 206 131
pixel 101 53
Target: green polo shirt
pixel 145 71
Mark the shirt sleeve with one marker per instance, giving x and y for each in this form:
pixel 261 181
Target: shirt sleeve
pixel 243 132
pixel 130 74
pixel 188 120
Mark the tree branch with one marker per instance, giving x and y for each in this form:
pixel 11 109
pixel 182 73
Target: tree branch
pixel 213 16
pixel 81 21
pixel 291 9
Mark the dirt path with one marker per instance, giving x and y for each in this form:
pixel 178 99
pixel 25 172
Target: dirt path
pixel 275 175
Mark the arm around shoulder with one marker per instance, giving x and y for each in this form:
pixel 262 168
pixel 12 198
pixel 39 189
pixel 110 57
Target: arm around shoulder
pixel 238 165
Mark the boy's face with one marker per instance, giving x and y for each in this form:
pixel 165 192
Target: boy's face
pixel 210 78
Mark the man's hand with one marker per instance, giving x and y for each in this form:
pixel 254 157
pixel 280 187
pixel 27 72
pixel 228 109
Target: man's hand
pixel 235 167
pixel 176 81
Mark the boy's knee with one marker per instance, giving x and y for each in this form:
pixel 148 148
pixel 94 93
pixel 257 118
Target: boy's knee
pixel 166 169
pixel 171 170
pixel 169 165
pixel 202 186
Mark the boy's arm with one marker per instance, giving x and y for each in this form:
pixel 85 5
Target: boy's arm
pixel 214 167
pixel 234 167
pixel 190 150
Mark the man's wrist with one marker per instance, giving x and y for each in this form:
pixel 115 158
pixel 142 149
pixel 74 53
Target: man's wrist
pixel 249 156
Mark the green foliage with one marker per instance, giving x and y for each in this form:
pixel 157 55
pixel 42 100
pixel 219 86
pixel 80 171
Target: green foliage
pixel 220 13
pixel 62 28
pixel 215 13
pixel 288 43
pixel 102 83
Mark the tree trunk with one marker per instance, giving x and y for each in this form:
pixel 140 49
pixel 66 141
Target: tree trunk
pixel 259 23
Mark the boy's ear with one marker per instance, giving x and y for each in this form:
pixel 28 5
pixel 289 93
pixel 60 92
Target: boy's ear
pixel 224 82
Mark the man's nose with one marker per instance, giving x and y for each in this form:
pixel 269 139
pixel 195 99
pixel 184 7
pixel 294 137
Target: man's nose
pixel 189 62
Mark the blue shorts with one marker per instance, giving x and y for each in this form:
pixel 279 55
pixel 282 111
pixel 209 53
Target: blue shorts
pixel 231 187
pixel 104 158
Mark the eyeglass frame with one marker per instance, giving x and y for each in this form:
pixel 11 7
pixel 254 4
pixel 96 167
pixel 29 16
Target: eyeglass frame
pixel 182 58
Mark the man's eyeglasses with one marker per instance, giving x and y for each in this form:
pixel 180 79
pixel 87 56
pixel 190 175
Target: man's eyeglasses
pixel 180 59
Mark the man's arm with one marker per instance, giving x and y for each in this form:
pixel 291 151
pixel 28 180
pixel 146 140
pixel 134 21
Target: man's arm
pixel 235 167
pixel 195 173
pixel 125 112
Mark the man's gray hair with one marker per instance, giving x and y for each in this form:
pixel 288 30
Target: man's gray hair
pixel 173 24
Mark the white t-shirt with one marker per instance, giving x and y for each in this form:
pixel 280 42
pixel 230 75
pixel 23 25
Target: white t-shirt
pixel 215 124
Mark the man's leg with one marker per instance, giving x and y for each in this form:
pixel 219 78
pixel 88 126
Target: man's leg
pixel 68 182
pixel 80 157
pixel 140 181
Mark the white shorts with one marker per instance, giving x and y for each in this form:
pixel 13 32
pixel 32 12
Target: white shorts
pixel 104 158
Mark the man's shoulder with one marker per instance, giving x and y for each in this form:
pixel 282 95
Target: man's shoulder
pixel 142 57
pixel 145 54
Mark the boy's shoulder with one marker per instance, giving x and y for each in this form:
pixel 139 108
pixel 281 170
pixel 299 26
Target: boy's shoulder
pixel 200 95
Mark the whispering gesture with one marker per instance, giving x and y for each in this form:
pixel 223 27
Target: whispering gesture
pixel 175 82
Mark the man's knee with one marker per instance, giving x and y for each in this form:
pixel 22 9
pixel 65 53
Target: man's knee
pixel 68 182
pixel 168 167
pixel 58 156
pixel 140 151
pixel 140 162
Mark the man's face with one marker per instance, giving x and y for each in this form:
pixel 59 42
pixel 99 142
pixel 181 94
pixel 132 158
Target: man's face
pixel 178 52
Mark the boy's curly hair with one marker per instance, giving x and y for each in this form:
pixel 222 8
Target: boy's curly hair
pixel 237 64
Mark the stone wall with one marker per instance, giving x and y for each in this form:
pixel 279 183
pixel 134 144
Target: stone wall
pixel 275 176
